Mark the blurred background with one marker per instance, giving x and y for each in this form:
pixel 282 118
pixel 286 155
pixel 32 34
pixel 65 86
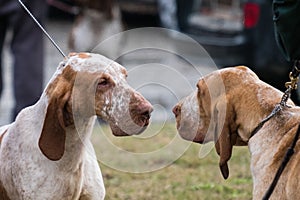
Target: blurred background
pixel 233 32
pixel 165 69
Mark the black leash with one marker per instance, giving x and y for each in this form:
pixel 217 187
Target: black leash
pixel 292 85
pixel 277 108
pixel 285 161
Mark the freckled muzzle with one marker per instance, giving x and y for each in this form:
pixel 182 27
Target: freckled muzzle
pixel 140 110
pixel 134 114
pixel 188 118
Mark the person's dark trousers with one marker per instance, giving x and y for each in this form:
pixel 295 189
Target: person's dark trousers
pixel 184 9
pixel 28 52
pixel 2 36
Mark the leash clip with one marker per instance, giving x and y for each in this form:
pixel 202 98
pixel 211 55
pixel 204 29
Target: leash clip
pixel 294 76
pixel 293 83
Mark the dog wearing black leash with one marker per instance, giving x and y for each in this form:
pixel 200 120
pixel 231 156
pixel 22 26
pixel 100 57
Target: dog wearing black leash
pixel 226 108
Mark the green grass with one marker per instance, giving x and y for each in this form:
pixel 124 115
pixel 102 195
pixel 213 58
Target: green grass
pixel 186 178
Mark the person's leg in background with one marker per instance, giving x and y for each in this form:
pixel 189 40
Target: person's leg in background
pixel 184 9
pixel 3 28
pixel 168 14
pixel 28 55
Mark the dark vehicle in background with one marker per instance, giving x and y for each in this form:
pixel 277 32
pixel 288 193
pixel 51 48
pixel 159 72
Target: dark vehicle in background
pixel 237 32
pixel 139 13
pixel 233 32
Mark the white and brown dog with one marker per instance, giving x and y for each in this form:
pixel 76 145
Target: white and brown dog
pixel 98 21
pixel 227 106
pixel 46 153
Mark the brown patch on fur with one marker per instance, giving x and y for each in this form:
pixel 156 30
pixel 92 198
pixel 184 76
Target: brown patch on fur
pixel 212 104
pixel 285 142
pixel 72 54
pixel 90 92
pixel 219 114
pixel 124 71
pixel 3 193
pixel 83 55
pixel 58 116
pixel 63 82
pixel 1 137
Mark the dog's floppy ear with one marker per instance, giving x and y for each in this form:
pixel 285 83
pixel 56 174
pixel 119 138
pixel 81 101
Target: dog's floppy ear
pixel 53 136
pixel 222 122
pixel 223 134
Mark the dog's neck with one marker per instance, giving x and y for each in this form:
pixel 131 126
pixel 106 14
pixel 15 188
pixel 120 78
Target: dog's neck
pixel 77 142
pixel 270 144
pixel 254 108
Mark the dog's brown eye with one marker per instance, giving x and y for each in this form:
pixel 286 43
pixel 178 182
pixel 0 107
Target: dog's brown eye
pixel 103 83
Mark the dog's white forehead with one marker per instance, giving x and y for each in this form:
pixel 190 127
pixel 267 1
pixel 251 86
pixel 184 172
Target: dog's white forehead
pixel 92 63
